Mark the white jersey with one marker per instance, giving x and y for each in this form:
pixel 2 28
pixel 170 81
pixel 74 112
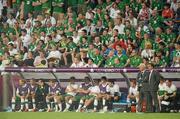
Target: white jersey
pixel 170 89
pixel 162 87
pixel 26 40
pixel 114 89
pixel 94 89
pixel 71 87
pixel 133 90
pixel 80 64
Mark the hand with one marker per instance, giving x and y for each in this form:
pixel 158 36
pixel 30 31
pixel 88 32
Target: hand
pixel 166 97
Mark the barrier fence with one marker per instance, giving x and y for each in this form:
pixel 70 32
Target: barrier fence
pixel 9 75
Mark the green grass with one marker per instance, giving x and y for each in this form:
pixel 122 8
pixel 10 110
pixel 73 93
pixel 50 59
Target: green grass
pixel 73 115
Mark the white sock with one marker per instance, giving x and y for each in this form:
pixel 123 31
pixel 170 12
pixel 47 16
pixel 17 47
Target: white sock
pixel 56 105
pixel 22 104
pixel 48 104
pixel 80 104
pixel 26 103
pixel 104 102
pixel 60 106
pixel 95 104
pixel 68 104
pixel 34 104
pixel 13 103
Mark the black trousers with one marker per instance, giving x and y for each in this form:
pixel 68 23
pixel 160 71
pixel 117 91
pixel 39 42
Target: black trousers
pixel 140 101
pixel 152 101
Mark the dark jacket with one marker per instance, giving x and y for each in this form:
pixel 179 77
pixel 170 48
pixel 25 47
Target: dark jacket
pixel 143 81
pixel 154 80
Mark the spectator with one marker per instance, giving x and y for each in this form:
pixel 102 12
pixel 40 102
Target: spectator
pixel 77 63
pixel 90 64
pixel 40 60
pixel 29 61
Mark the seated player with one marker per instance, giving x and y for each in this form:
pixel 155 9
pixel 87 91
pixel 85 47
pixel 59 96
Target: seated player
pixel 170 94
pixel 113 95
pixel 82 92
pixel 93 96
pixel 22 95
pixel 161 91
pixel 54 95
pixel 31 95
pixel 133 93
pixel 103 91
pixel 41 93
pixel 71 91
pixel 132 97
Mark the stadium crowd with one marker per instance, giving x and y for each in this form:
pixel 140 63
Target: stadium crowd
pixel 89 33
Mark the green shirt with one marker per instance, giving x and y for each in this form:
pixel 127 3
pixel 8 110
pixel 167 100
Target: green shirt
pixel 90 54
pixel 72 2
pixel 71 46
pixel 110 61
pixel 28 6
pixel 135 61
pixel 121 6
pixel 98 59
pixel 47 5
pixel 37 8
pixel 84 45
pixel 105 39
pixel 176 53
pixel 157 4
pixel 17 3
pixel 123 59
pixel 169 38
pixel 8 30
pixel 56 8
pixel 32 46
pixel 81 2
pixel 135 6
pixel 120 65
pixel 156 22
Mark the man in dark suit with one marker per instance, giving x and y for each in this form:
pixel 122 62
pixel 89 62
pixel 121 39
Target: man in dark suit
pixel 154 80
pixel 143 86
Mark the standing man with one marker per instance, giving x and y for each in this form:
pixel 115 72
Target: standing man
pixel 154 80
pixel 143 86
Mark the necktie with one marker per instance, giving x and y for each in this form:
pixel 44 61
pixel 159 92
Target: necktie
pixel 150 76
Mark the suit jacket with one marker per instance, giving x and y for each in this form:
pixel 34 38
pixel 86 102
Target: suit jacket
pixel 154 80
pixel 142 81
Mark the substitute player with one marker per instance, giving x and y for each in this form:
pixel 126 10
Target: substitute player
pixel 54 96
pixel 21 95
pixel 82 92
pixel 71 91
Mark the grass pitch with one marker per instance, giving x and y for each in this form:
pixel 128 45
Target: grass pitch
pixel 73 115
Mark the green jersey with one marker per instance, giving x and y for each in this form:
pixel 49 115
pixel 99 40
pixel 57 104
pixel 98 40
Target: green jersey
pixel 47 5
pixel 123 58
pixel 157 4
pixel 98 59
pixel 110 61
pixel 56 7
pixel 38 7
pixel 71 46
pixel 135 61
pixel 28 6
pixel 156 21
